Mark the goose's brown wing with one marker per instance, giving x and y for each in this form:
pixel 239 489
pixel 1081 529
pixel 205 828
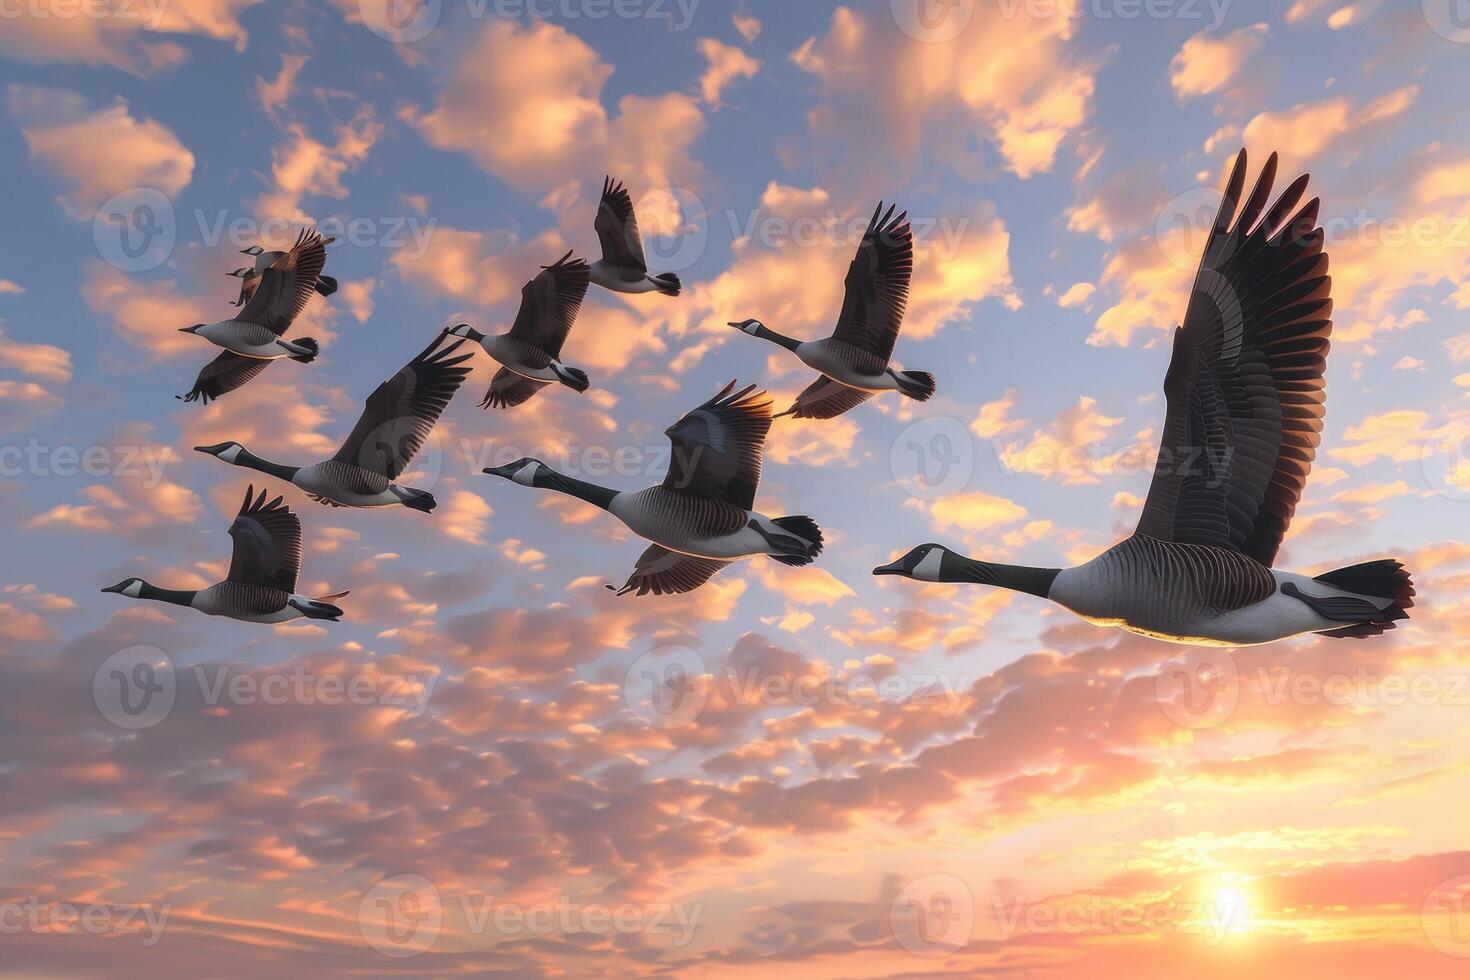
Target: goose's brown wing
pixel 226 372
pixel 617 230
pixel 826 399
pixel 286 284
pixel 717 447
pixel 877 285
pixel 665 572
pixel 1245 387
pixel 267 544
pixel 549 304
pixel 508 389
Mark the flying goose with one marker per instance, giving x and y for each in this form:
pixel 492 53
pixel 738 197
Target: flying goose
pixel 531 351
pixel 250 275
pixel 622 267
pixel 700 518
pixel 254 337
pixel 1245 400
pixel 853 361
pixel 398 418
pixel 261 584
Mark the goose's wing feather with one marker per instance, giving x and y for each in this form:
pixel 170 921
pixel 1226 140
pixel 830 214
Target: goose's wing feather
pixel 508 389
pixel 549 304
pixel 1245 386
pixel 617 230
pixel 402 410
pixel 226 372
pixel 717 447
pixel 826 399
pixel 287 283
pixel 665 572
pixel 267 542
pixel 877 285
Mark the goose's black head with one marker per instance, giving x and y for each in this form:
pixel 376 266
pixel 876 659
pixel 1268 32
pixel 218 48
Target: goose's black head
pixel 227 451
pixel 194 329
pixel 252 250
pixel 131 587
pixel 925 563
pixel 748 326
pixel 522 471
pixel 466 331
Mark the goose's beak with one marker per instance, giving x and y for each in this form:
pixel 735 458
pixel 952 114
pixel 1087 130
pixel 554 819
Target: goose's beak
pixel 892 568
pixel 193 329
pixel 503 471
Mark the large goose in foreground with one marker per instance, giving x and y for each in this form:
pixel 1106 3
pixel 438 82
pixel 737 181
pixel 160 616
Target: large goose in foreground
pixel 853 362
pixel 255 336
pixel 622 268
pixel 1246 397
pixel 700 518
pixel 531 351
pixel 260 586
pixel 397 419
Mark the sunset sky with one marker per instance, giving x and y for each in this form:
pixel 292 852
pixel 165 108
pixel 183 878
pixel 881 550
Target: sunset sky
pixel 482 769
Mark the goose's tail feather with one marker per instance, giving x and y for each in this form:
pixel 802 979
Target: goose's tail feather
pixel 317 609
pixel 806 529
pixel 573 378
pixel 310 349
pixel 1383 579
pixel 668 283
pixel 918 385
pixel 419 500
pixel 326 285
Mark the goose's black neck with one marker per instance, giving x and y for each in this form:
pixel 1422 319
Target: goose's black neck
pixel 790 343
pixel 179 597
pixel 547 478
pixel 1017 578
pixel 278 470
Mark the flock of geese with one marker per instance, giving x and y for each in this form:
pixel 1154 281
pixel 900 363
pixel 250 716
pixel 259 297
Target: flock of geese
pixel 1245 401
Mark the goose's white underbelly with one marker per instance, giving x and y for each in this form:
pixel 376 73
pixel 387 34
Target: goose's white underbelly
pixel 820 358
pixel 322 480
pixel 504 353
pixel 247 340
pixel 609 278
pixel 655 527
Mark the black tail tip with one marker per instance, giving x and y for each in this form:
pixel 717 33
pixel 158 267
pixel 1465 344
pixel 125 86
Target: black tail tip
pixel 918 385
pixel 326 285
pixel 419 500
pixel 668 283
pixel 806 529
pixel 574 378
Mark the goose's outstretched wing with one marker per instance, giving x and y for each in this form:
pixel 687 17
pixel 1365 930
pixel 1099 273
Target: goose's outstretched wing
pixel 1245 386
pixel 402 410
pixel 508 389
pixel 665 572
pixel 267 539
pixel 549 304
pixel 226 372
pixel 826 399
pixel 878 285
pixel 617 230
pixel 717 447
pixel 286 284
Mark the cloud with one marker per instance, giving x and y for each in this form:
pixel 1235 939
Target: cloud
pixel 38 360
pixel 726 63
pixel 302 165
pixel 1208 61
pixel 747 24
pixel 68 137
pixel 1076 295
pixel 1305 130
pixel 127 36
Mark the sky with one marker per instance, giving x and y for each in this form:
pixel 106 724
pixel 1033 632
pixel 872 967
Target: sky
pixel 493 764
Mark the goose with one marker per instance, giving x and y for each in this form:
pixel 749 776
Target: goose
pixel 397 419
pixel 700 518
pixel 531 351
pixel 250 276
pixel 854 361
pixel 254 337
pixel 260 586
pixel 622 267
pixel 1245 398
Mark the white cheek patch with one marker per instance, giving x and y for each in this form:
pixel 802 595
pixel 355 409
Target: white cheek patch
pixel 134 590
pixel 231 454
pixel 526 475
pixel 927 569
